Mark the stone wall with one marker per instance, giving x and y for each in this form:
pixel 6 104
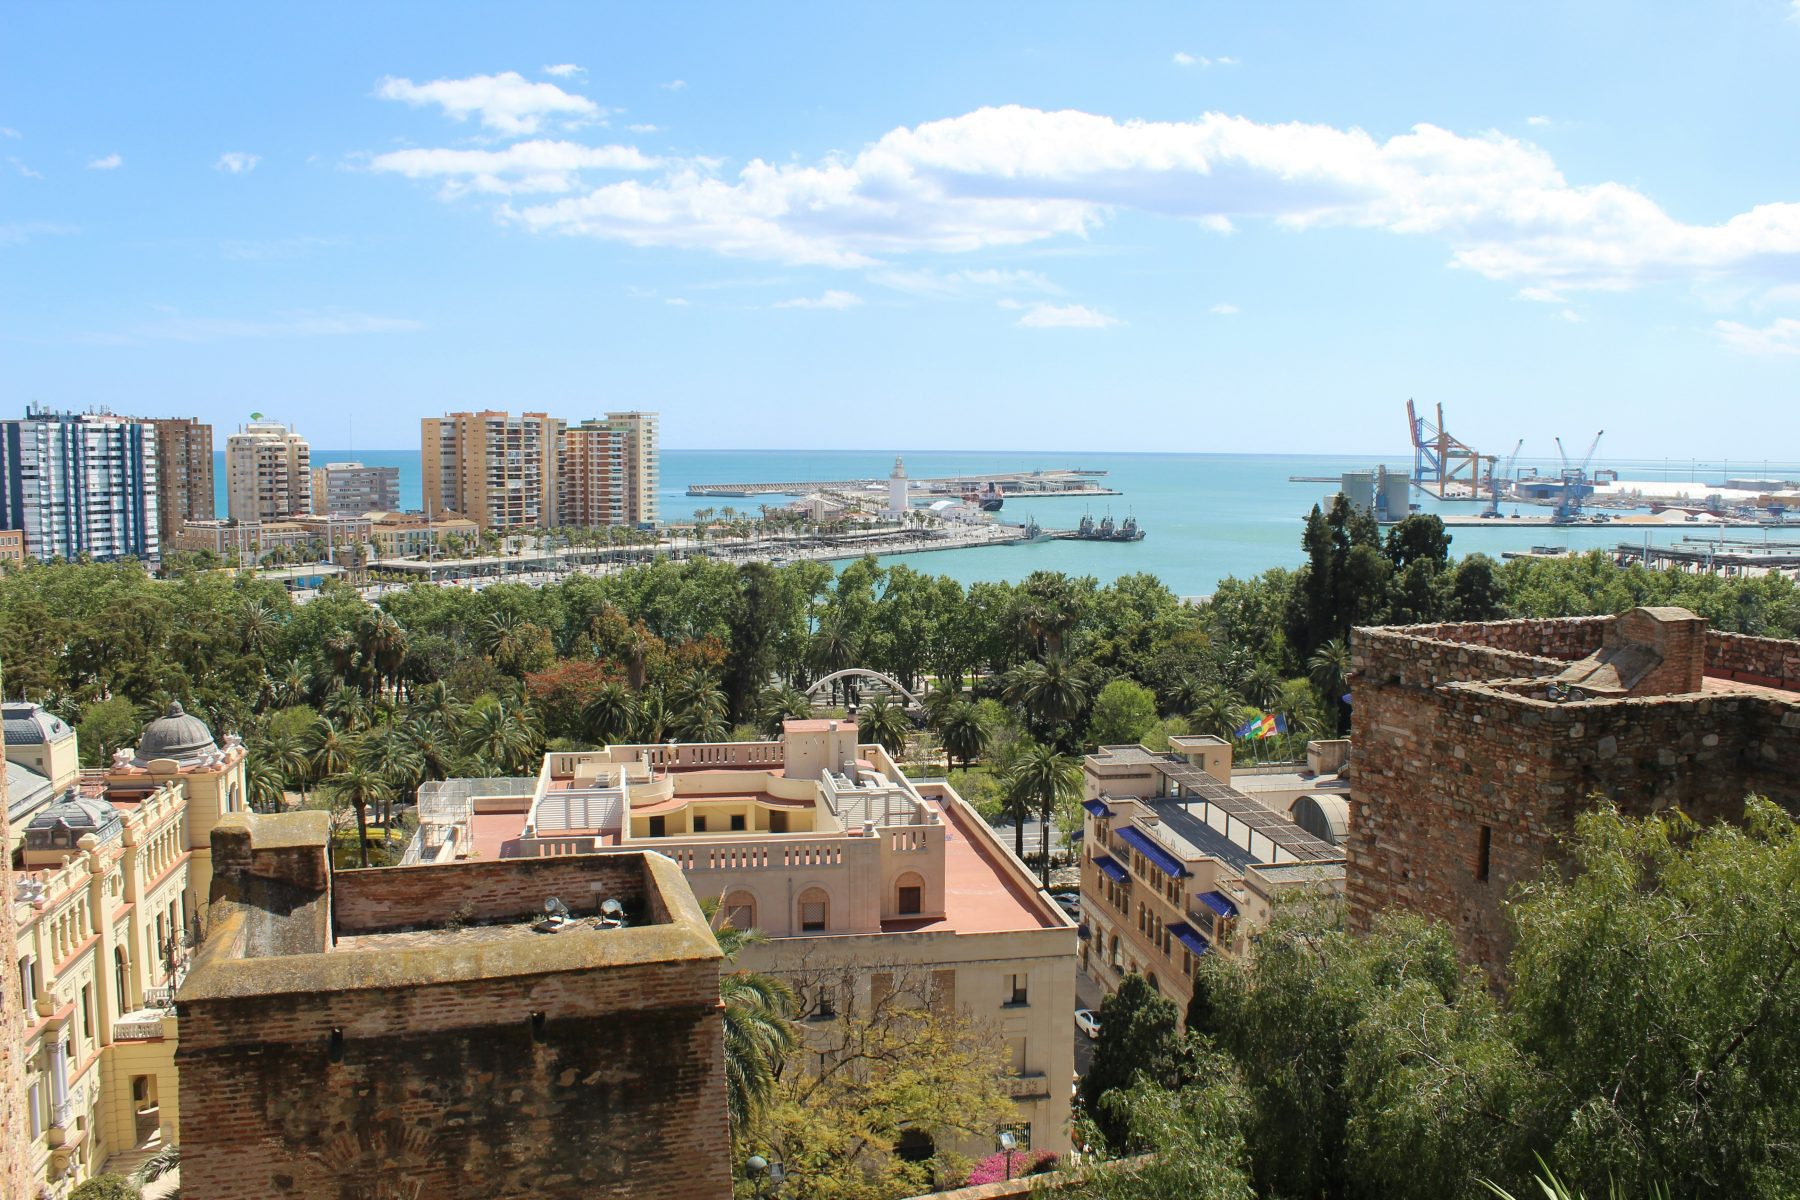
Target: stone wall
pixel 1765 661
pixel 481 890
pixel 1463 790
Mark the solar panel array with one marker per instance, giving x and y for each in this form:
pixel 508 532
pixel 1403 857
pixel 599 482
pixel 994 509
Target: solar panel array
pixel 1196 784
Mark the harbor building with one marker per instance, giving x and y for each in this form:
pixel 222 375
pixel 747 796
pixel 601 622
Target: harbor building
pixel 80 484
pixel 1177 863
pixel 1479 744
pixel 444 1030
pixel 498 470
pixel 351 487
pixel 858 876
pixel 108 872
pixel 267 473
pixel 184 473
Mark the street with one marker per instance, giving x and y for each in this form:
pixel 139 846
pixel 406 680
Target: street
pixel 1088 994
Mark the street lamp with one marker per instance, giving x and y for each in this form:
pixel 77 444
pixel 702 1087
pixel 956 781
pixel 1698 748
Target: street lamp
pixel 762 1172
pixel 1008 1142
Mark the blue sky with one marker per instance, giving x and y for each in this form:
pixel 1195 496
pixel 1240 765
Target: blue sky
pixel 1200 226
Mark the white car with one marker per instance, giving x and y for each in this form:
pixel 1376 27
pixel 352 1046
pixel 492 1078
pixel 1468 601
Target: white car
pixel 1088 1021
pixel 1069 904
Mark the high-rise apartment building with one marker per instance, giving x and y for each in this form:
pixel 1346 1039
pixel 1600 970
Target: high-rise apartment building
pixel 268 473
pixel 643 458
pixel 351 487
pixel 80 483
pixel 498 470
pixel 184 473
pixel 593 486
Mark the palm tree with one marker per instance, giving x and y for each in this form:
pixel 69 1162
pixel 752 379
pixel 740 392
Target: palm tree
pixel 501 737
pixel 359 786
pixel 391 754
pixel 348 708
pixel 292 682
pixel 285 754
pixel 1048 777
pixel 328 750
pixel 782 704
pixel 1262 687
pixel 263 782
pixel 612 714
pixel 1216 712
pixel 965 734
pixel 1050 692
pixel 883 721
pixel 759 1028
pixel 1329 669
pixel 700 708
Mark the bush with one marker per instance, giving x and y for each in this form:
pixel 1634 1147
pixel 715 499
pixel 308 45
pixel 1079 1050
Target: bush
pixel 992 1169
pixel 106 1187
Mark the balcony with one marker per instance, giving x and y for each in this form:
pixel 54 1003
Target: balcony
pixel 1028 1085
pixel 144 1025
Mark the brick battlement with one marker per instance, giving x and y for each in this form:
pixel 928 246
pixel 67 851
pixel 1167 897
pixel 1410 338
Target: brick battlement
pixel 1469 766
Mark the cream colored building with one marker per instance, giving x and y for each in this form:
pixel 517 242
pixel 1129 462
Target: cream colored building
pixel 412 535
pixel 859 876
pixel 643 464
pixel 268 473
pixel 110 871
pixel 1177 863
pixel 498 470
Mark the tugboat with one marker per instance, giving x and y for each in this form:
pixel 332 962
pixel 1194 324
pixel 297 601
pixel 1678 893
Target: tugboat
pixel 1033 532
pixel 1105 533
pixel 1129 531
pixel 1086 529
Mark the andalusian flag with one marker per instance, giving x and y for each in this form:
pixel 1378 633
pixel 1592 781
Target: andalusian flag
pixel 1265 726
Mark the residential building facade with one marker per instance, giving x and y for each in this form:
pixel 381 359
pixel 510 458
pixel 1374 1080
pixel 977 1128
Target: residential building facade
pixel 184 473
pixel 12 547
pixel 858 876
pixel 593 482
pixel 498 470
pixel 351 487
pixel 415 535
pixel 268 473
pixel 108 877
pixel 1479 744
pixel 643 465
pixel 1177 864
pixel 320 537
pixel 80 484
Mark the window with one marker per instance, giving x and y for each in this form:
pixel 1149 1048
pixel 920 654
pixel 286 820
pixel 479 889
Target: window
pixel 35 1100
pixel 1483 847
pixel 699 823
pixel 814 911
pixel 1021 1136
pixel 658 826
pixel 740 910
pixel 824 1003
pixel 737 823
pixel 87 1013
pixel 1017 989
pixel 911 903
pixel 778 822
pixel 28 981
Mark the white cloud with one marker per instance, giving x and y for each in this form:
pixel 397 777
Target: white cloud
pixel 833 298
pixel 674 85
pixel 1223 310
pixel 1794 11
pixel 237 162
pixel 523 167
pixel 1225 60
pixel 17 233
pixel 565 70
pixel 175 327
pixel 1063 316
pixel 8 132
pixel 677 301
pixel 1782 336
pixel 1542 295
pixel 964 283
pixel 111 162
pixel 1540 122
pixel 645 128
pixel 23 168
pixel 1571 316
pixel 1014 176
pixel 1184 59
pixel 507 103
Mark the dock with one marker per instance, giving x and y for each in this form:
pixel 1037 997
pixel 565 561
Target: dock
pixel 1037 485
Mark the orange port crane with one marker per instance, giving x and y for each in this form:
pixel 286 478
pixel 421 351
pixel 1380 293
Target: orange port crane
pixel 1442 466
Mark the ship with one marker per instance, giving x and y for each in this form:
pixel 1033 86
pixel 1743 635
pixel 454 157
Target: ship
pixel 1107 531
pixel 1085 530
pixel 987 499
pixel 1129 531
pixel 1033 532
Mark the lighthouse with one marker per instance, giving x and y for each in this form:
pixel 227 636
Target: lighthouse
pixel 897 505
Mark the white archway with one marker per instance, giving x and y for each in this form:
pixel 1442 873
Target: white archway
pixel 887 681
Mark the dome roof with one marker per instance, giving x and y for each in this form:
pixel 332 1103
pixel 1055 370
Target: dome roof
pixel 176 735
pixel 29 725
pixel 70 819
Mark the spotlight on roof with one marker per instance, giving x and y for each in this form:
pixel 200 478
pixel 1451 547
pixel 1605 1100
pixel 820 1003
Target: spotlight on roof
pixel 556 908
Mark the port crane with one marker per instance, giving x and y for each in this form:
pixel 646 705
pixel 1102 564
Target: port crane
pixel 1575 485
pixel 1443 466
pixel 1494 478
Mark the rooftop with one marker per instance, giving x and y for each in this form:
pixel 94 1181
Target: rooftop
pixel 980 895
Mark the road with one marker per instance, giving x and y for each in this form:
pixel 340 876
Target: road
pixel 1088 994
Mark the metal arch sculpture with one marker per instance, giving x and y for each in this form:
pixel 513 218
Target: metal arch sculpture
pixel 891 683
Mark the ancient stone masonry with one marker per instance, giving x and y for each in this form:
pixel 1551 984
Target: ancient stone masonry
pixel 1476 746
pixel 406 1033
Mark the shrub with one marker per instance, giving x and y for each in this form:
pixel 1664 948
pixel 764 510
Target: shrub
pixel 106 1187
pixel 992 1169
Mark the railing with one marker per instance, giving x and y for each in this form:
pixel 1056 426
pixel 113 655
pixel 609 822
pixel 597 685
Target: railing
pixel 761 856
pixel 578 808
pixel 558 847
pixel 138 1029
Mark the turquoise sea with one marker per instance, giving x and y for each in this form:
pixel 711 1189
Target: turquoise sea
pixel 1207 515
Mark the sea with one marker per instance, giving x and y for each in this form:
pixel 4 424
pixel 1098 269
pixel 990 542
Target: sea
pixel 1206 516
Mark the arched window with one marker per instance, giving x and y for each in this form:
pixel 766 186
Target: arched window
pixel 909 894
pixel 814 910
pixel 739 908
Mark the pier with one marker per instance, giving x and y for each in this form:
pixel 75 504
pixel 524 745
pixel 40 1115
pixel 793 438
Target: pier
pixel 1072 481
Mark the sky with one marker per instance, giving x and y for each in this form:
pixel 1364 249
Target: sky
pixel 1175 227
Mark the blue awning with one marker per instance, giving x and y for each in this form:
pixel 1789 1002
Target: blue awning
pixel 1219 902
pixel 1140 841
pixel 1188 936
pixel 1096 808
pixel 1109 868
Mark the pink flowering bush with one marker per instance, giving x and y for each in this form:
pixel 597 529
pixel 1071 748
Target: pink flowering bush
pixel 992 1169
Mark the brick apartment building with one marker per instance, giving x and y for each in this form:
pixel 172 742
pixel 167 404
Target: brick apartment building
pixel 856 874
pixel 426 1032
pixel 1478 744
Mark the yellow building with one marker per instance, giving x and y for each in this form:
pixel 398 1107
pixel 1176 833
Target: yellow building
pixel 412 535
pixel 110 872
pixel 858 875
pixel 1177 863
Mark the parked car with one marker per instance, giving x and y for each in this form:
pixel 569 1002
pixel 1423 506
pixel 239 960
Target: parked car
pixel 1070 904
pixel 1088 1021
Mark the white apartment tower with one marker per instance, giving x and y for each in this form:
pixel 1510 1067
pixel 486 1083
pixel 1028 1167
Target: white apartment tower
pixel 80 483
pixel 268 472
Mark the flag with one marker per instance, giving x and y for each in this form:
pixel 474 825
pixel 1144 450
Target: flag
pixel 1265 726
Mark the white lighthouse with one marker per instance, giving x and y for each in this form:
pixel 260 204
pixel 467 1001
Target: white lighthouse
pixel 897 505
